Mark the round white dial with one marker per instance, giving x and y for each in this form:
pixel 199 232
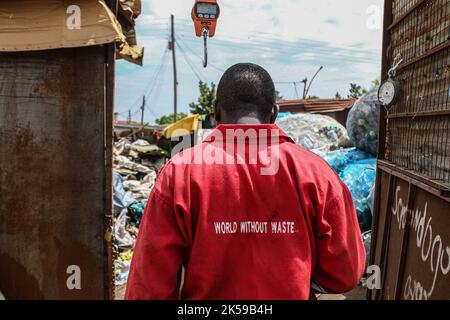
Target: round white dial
pixel 387 93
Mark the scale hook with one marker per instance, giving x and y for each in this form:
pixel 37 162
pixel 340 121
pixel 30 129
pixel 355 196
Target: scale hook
pixel 205 45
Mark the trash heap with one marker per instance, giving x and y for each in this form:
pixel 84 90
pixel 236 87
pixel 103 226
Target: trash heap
pixel 315 132
pixel 135 166
pixel 356 167
pixel 363 122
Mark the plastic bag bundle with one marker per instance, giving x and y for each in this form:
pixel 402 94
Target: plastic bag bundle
pixel 357 169
pixel 283 115
pixel 363 122
pixel 340 159
pixel 367 241
pixel 360 178
pixel 313 131
pixel 120 198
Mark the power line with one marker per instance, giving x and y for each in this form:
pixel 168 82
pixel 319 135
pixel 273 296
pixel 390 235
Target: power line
pixel 199 57
pixel 150 83
pixel 156 76
pixel 266 36
pixel 159 85
pixel 295 83
pixel 146 93
pixel 174 63
pixel 284 44
pixel 189 62
pixel 291 49
pixel 157 91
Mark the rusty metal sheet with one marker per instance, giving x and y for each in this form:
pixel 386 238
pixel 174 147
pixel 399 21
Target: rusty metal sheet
pixel 52 173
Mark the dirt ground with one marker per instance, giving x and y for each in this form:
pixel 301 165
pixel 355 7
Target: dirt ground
pixel 120 292
pixel 359 293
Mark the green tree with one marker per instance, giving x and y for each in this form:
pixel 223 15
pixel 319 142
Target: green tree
pixel 166 120
pixel 356 91
pixel 338 95
pixel 376 83
pixel 205 101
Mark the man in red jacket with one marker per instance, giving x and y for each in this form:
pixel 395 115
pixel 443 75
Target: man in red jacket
pixel 247 214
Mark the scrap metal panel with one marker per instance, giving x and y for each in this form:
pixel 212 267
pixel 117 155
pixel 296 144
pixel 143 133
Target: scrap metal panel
pixel 54 192
pixel 411 238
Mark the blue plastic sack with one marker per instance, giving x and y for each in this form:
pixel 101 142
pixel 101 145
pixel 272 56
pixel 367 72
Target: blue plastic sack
pixel 283 115
pixel 137 209
pixel 357 169
pixel 122 278
pixel 360 178
pixel 120 199
pixel 340 159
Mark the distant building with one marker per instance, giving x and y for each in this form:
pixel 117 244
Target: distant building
pixel 335 108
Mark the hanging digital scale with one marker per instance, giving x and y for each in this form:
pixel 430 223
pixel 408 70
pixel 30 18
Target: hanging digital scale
pixel 205 15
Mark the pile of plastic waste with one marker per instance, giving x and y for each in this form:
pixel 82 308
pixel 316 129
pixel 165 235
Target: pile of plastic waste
pixel 315 132
pixel 135 168
pixel 363 122
pixel 357 169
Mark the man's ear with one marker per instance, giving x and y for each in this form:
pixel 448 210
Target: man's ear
pixel 217 112
pixel 275 112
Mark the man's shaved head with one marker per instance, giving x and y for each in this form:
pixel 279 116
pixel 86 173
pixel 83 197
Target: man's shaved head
pixel 246 89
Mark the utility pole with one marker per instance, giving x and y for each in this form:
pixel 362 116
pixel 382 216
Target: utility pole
pixel 296 90
pixel 142 110
pixel 175 80
pixel 310 83
pixel 295 83
pixel 305 83
pixel 129 116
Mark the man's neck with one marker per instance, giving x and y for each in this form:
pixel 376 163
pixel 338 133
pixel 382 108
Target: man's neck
pixel 245 121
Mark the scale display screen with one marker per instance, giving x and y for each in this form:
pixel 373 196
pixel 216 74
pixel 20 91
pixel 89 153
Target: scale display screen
pixel 206 8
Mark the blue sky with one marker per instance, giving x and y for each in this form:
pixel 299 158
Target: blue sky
pixel 290 38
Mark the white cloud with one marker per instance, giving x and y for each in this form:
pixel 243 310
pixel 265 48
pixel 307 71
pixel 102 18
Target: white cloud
pixel 342 23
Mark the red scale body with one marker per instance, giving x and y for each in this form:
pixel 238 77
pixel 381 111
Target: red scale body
pixel 205 14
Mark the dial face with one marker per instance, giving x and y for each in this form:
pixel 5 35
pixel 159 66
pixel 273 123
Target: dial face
pixel 387 93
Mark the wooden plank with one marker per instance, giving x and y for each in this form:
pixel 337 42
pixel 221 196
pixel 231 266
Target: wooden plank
pixel 427 54
pixel 432 186
pixel 110 73
pixel 405 243
pixel 418 114
pixel 388 18
pixel 406 14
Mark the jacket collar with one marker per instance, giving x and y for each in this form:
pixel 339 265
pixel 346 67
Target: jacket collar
pixel 239 132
